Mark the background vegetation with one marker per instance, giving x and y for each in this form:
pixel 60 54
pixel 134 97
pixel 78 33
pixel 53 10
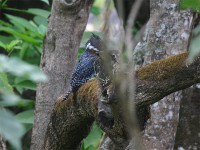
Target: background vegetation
pixel 21 35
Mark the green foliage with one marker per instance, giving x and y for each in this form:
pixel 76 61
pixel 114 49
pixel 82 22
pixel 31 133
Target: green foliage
pixel 11 46
pixel 93 139
pixel 192 4
pixel 46 1
pixel 26 118
pixel 39 12
pixel 21 39
pixel 3 4
pixel 26 71
pixel 95 10
pixel 4 83
pixel 10 128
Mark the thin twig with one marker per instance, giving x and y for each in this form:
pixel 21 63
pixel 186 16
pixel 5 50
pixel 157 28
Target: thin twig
pixel 126 84
pixel 129 45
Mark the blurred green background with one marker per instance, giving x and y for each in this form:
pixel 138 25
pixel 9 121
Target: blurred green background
pixel 23 25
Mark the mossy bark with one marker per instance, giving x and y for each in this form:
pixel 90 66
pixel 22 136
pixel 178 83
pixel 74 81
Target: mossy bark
pixel 168 33
pixel 70 119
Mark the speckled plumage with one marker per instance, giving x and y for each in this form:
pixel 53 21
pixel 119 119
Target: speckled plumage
pixel 84 69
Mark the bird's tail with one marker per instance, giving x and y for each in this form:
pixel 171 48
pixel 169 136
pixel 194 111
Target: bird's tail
pixel 67 94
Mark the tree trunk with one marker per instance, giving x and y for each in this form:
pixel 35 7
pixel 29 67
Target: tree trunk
pixel 188 132
pixel 167 33
pixel 66 25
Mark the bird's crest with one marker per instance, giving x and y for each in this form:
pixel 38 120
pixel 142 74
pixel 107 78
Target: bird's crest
pixel 94 43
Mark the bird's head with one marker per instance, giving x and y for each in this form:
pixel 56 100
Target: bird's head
pixel 94 44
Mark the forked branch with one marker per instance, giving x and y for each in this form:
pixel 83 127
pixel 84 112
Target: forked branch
pixel 71 120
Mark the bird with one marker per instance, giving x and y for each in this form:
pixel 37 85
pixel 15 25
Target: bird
pixel 84 69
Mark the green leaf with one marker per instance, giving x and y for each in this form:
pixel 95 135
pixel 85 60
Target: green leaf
pixel 20 35
pixel 93 139
pixel 24 70
pixel 13 45
pixel 26 103
pixel 11 129
pixel 24 49
pixel 27 84
pixel 5 23
pixel 3 4
pixel 91 147
pixel 193 4
pixel 23 22
pixel 42 30
pixel 4 84
pixel 2 45
pixel 26 117
pixel 39 12
pixel 40 21
pixel 6 39
pixel 80 51
pixel 95 10
pixel 45 1
pixel 9 99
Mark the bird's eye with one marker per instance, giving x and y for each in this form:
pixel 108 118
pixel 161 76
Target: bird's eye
pixel 92 51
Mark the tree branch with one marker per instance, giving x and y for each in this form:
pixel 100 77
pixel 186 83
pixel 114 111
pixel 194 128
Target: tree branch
pixel 166 76
pixel 71 119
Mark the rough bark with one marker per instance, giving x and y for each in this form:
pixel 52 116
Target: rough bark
pixel 153 83
pixel 74 118
pixel 188 132
pixel 107 143
pixel 168 32
pixel 66 25
pixel 2 144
